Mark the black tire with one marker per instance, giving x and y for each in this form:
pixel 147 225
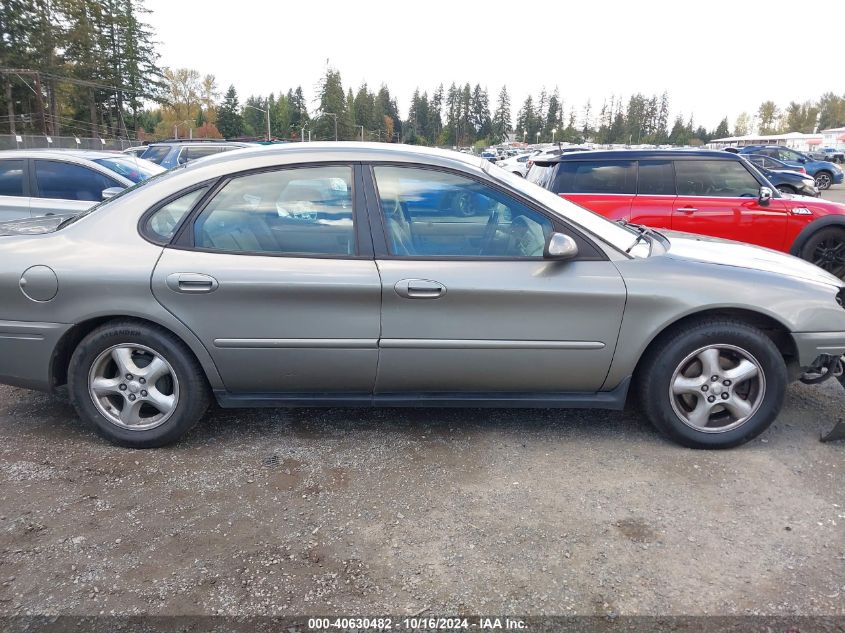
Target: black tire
pixel 193 395
pixel 826 249
pixel 668 353
pixel 786 189
pixel 823 180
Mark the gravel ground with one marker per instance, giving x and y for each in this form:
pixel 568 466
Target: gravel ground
pixel 348 511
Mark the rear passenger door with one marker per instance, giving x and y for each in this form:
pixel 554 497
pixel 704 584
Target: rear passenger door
pixel 274 272
pixel 720 198
pixel 656 195
pixel 14 190
pixel 606 187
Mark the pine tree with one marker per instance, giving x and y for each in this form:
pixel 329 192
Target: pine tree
pixel 229 120
pixel 502 126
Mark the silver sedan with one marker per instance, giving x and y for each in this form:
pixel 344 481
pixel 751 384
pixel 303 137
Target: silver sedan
pixel 352 274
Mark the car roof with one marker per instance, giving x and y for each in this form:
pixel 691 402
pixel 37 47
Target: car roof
pixel 320 151
pixel 636 154
pixel 87 154
pixel 200 142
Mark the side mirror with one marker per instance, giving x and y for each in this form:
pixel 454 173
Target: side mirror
pixel 560 246
pixel 765 196
pixel 111 192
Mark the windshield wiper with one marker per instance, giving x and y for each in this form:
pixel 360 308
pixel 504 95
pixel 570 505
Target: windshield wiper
pixel 643 232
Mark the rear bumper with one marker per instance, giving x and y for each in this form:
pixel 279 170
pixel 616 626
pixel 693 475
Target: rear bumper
pixel 26 351
pixel 811 345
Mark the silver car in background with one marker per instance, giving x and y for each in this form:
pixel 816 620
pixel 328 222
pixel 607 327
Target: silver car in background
pixel 342 274
pixel 61 182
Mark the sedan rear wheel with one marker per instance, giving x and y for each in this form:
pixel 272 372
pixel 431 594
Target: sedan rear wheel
pixel 137 384
pixel 712 384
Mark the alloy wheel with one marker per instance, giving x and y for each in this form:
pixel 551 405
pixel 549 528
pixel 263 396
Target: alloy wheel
pixel 823 181
pixel 133 386
pixel 717 388
pixel 829 254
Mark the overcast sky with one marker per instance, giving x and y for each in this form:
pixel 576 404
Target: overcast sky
pixel 710 55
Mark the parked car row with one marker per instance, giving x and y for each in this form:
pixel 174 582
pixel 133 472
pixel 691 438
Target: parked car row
pixel 351 274
pixel 824 172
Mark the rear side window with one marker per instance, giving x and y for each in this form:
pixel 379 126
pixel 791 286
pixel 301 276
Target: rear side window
pixel 599 177
pixel 541 175
pixel 161 226
pixel 301 211
pixel 11 178
pixel 656 178
pixel 66 181
pixel 716 178
pixel 192 153
pixel 156 153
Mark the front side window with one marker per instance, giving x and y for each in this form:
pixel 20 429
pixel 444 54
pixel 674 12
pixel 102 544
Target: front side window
pixel 11 178
pixel 790 155
pixel 66 181
pixel 302 211
pixel 716 178
pixel 656 178
pixel 598 177
pixel 161 226
pixel 430 213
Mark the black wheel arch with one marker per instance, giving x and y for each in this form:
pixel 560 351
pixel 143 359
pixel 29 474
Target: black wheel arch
pixel 771 327
pixel 816 225
pixel 63 351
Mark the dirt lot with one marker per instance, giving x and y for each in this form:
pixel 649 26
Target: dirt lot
pixel 395 511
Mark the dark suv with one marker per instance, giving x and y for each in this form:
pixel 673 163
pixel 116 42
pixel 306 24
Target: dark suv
pixel 707 192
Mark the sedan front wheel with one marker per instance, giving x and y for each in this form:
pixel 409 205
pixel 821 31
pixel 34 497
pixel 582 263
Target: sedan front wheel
pixel 716 384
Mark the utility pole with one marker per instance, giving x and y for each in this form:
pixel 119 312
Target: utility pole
pixel 10 106
pixel 362 132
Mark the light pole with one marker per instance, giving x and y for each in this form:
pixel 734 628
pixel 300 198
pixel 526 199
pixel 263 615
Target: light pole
pixel 362 132
pixel 266 112
pixel 554 131
pixel 538 138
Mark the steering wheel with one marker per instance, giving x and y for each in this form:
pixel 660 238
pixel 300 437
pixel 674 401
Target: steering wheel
pixel 489 232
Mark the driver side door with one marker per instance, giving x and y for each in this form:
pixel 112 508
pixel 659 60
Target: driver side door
pixel 720 198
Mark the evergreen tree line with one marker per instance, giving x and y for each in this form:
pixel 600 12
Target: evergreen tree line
pixel 83 67
pixel 89 67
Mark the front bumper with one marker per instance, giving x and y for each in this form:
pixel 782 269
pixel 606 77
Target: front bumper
pixel 838 178
pixel 26 352
pixel 811 345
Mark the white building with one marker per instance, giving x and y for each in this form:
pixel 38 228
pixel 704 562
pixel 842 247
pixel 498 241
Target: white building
pixel 834 137
pixel 794 140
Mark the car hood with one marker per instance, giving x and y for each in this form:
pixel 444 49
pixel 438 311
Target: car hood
pixel 727 253
pixel 33 226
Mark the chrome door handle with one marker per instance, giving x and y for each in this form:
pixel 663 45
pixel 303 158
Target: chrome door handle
pixel 191 283
pixel 687 209
pixel 419 289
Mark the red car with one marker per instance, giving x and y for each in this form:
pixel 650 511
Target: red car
pixel 707 192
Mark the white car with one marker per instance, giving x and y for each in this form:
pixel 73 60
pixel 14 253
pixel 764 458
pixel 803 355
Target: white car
pixel 516 164
pixel 61 182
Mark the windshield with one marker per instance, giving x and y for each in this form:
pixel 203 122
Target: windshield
pixel 617 235
pixel 135 169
